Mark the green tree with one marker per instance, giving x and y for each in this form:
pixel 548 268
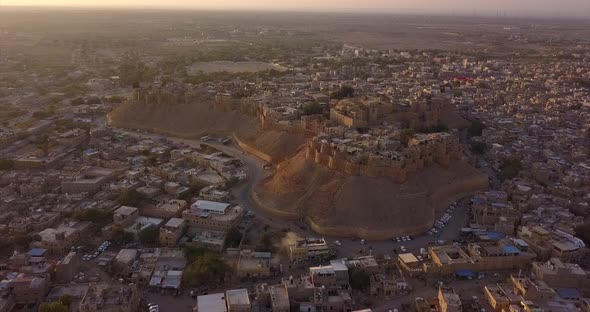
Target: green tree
pixel 476 128
pixel 149 235
pixel 312 109
pixel 192 253
pixel 478 148
pixel 99 217
pixel 406 135
pixel 94 100
pixel 77 101
pixel 342 93
pixel 233 237
pixel 434 129
pixel 6 164
pixel 53 307
pixel 208 268
pixel 132 71
pixel 151 160
pixel 510 168
pixel 359 279
pixel 266 243
pixel 583 232
pixel 130 198
pixel 23 240
pixel 66 300
pixel 121 237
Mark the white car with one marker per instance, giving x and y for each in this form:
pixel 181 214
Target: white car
pixel 420 258
pixel 402 248
pixel 337 243
pixel 362 241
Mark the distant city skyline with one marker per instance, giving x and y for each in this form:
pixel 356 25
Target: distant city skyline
pixel 562 8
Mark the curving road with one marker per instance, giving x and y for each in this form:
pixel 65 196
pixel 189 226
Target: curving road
pixel 254 168
pixel 350 247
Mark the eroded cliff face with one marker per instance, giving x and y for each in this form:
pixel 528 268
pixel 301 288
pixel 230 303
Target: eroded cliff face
pixel 201 115
pixel 334 203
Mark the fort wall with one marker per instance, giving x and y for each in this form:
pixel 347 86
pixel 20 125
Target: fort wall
pixel 415 158
pixel 252 150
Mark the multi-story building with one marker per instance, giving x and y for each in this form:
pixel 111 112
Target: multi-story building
pixel 449 259
pixel 36 222
pixel 388 285
pixel 214 240
pixel 211 303
pixel 309 249
pixel 28 289
pixel 496 297
pixel 531 289
pixel 559 274
pixel 448 300
pixel 172 231
pixel 213 193
pixel 66 268
pixel 212 215
pixel 279 298
pixel 166 209
pixel 125 216
pixel 548 243
pixel 324 276
pixel 61 239
pixel 110 298
pixel 254 264
pixel 90 182
pixel 238 300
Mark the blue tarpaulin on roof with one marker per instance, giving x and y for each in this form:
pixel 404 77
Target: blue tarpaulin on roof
pixel 511 250
pixel 465 273
pixel 494 235
pixel 37 252
pixel 569 293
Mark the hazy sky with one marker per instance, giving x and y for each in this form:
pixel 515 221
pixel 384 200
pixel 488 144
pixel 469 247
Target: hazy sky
pixel 557 7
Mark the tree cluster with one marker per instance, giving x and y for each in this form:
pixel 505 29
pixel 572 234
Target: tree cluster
pixel 62 305
pixel 130 198
pixel 406 135
pixel 312 109
pixel 233 238
pixel 150 235
pixel 206 267
pixel 343 93
pixel 99 217
pixel 359 279
pixel 510 168
pixel 6 164
pixel 476 128
pixel 583 232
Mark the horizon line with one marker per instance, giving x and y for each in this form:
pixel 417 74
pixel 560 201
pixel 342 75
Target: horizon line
pixel 507 14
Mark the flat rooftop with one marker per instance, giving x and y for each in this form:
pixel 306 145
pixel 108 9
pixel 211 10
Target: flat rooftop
pixel 237 297
pixel 211 303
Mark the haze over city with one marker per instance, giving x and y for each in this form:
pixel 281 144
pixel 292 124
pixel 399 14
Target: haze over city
pixel 554 8
pixel 281 156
